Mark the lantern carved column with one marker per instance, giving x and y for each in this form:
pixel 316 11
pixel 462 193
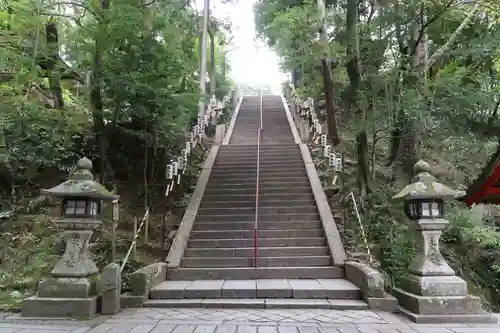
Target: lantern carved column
pixel 75 282
pixel 431 293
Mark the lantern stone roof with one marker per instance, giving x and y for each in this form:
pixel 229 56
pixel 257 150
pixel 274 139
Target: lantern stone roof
pixel 81 183
pixel 425 186
pixel 486 188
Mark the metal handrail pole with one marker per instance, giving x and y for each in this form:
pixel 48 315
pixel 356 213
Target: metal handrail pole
pixel 261 127
pixel 256 222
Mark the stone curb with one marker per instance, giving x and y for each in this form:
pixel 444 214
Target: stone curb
pixel 371 282
pixel 337 250
pixel 181 239
pixel 142 281
pixel 230 129
pixel 295 133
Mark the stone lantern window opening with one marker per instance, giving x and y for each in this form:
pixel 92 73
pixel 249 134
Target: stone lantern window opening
pixel 424 209
pixel 81 207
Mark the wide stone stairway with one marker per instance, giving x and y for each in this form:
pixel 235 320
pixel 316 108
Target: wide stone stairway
pixel 294 264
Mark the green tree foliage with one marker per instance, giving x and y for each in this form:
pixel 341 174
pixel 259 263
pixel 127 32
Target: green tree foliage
pixel 114 80
pixel 412 79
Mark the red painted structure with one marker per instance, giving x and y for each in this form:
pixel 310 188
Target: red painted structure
pixel 486 188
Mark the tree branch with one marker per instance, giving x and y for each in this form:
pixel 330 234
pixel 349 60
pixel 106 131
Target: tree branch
pixel 424 27
pixel 75 4
pixel 146 4
pixel 443 49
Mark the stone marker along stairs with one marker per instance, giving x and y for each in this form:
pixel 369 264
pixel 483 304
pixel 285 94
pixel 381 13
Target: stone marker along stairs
pixel 295 266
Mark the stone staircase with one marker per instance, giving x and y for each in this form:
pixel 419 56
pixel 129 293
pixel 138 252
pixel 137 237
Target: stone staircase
pixel 294 264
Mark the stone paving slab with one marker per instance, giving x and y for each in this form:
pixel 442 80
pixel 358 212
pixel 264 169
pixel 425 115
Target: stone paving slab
pixel 156 320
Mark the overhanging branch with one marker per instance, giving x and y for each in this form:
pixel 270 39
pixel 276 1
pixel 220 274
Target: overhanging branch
pixel 443 49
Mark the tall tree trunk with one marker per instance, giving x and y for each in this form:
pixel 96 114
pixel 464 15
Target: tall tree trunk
pixel 353 67
pixel 96 102
pixel 296 76
pixel 52 58
pixel 148 25
pixel 396 122
pixel 301 73
pixel 6 172
pixel 326 71
pixel 212 63
pixel 411 132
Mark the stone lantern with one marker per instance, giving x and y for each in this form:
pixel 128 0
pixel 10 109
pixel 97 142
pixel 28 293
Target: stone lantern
pixel 431 293
pixel 74 285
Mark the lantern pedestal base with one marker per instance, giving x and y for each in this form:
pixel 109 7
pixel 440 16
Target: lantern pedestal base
pixel 435 285
pixel 64 297
pixel 485 318
pixel 59 307
pixel 444 300
pixel 70 287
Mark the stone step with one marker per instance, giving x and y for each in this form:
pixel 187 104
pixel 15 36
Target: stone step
pixel 264 141
pixel 262 160
pixel 268 174
pixel 275 124
pixel 252 156
pixel 303 182
pixel 281 139
pixel 266 148
pixel 289 144
pixel 263 174
pixel 277 138
pixel 263 170
pixel 250 203
pixel 249 242
pixel 262 210
pixel 249 133
pixel 251 190
pixel 264 153
pixel 263 217
pixel 282 135
pixel 282 164
pixel 262 179
pixel 263 156
pixel 263 251
pixel 252 140
pixel 262 197
pixel 235 234
pixel 240 273
pixel 262 225
pixel 257 289
pixel 245 155
pixel 265 165
pixel 287 261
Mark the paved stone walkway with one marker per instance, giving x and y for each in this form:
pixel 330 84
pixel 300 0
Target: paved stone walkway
pixel 235 321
